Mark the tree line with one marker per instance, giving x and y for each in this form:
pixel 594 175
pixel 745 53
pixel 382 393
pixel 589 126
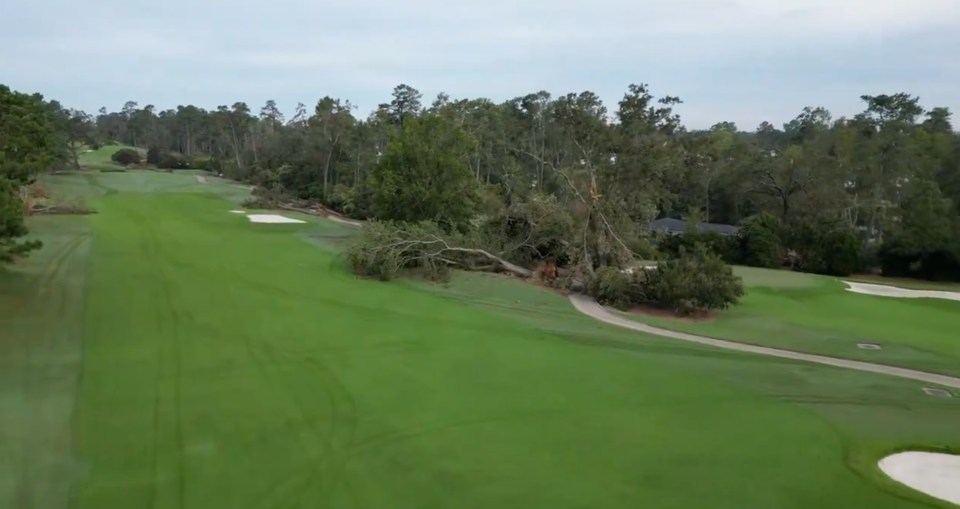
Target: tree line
pixel 880 189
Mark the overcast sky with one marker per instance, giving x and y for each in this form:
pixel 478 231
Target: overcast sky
pixel 740 60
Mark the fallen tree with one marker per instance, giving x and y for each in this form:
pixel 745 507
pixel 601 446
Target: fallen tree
pixel 387 248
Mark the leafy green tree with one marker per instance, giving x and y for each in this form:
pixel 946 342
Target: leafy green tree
pixel 405 104
pixel 27 142
pixel 11 223
pixel 27 147
pixel 77 130
pixel 610 174
pixel 329 130
pixel 926 224
pixel 154 153
pixel 841 252
pixel 647 169
pixel 925 244
pixel 760 244
pixel 424 176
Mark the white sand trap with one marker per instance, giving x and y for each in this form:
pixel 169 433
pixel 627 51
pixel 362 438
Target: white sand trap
pixel 903 293
pixel 272 218
pixel 937 475
pixel 238 211
pixel 201 179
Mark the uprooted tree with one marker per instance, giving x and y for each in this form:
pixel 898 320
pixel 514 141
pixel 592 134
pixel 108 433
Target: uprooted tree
pixel 577 224
pixel 875 174
pixel 387 248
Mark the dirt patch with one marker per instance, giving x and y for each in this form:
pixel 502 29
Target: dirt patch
pixel 937 392
pixel 62 210
pixel 321 211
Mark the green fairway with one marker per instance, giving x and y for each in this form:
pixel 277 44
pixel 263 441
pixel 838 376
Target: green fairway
pixel 99 159
pixel 769 278
pixel 166 353
pixel 822 317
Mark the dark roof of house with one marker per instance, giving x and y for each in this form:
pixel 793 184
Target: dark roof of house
pixel 671 225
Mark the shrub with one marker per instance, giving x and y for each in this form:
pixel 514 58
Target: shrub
pixel 614 287
pixel 209 164
pixel 834 250
pixel 153 155
pixel 840 253
pixel 695 282
pixel 898 258
pixel 341 199
pixel 12 224
pixel 171 161
pixel 760 243
pixel 870 257
pixel 126 157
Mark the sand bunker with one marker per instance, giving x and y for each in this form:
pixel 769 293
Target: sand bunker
pixel 272 218
pixel 937 475
pixel 201 179
pixel 238 211
pixel 904 293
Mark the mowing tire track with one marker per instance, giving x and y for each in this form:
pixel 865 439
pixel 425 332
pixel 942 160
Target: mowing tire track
pixel 168 352
pixel 266 366
pixel 392 437
pixel 26 492
pixel 331 469
pixel 591 308
pixel 328 449
pixel 281 490
pixel 343 426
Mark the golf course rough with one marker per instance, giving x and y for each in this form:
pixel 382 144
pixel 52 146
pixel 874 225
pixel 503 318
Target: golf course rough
pixel 588 306
pixel 818 315
pixel 219 363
